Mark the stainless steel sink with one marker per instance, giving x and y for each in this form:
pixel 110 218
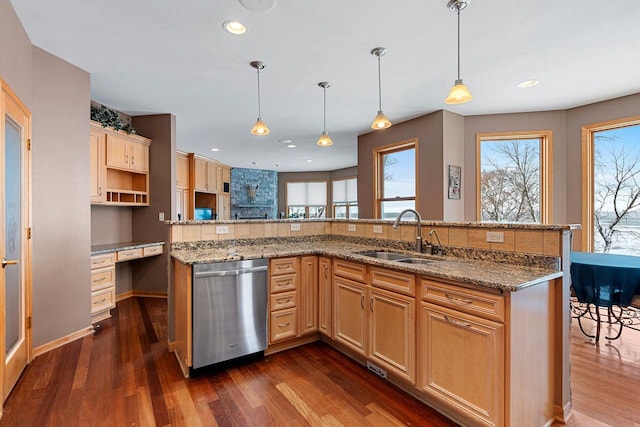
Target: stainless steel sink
pixel 389 256
pixel 422 261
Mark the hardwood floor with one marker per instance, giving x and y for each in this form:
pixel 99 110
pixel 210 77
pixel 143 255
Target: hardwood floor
pixel 124 375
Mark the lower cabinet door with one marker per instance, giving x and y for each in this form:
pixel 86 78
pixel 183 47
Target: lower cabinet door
pixel 324 296
pixel 392 333
pixel 462 363
pixel 349 315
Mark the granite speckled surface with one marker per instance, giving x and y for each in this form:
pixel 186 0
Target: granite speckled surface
pixel 495 275
pixel 122 246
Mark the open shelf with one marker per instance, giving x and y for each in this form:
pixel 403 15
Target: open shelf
pixel 127 188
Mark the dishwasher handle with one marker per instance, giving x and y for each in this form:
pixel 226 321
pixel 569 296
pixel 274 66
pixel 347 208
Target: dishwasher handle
pixel 235 272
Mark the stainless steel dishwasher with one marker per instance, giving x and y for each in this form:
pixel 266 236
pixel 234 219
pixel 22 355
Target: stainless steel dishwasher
pixel 229 310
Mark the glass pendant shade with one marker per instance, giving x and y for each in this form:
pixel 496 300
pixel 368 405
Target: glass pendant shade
pixel 459 94
pixel 324 140
pixel 260 128
pixel 380 122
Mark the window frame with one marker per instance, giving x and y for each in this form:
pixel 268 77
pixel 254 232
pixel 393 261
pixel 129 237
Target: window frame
pixel 348 205
pixel 546 167
pixel 378 181
pixel 306 207
pixel 588 185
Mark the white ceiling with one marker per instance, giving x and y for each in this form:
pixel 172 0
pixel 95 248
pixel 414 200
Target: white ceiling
pixel 168 56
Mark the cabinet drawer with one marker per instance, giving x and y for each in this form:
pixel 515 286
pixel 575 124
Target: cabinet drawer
pixel 152 250
pixel 350 270
pixel 102 278
pixel 284 266
pixel 470 301
pixel 101 261
pixel 103 299
pixel 286 282
pixel 394 281
pixel 129 254
pixel 283 300
pixel 283 324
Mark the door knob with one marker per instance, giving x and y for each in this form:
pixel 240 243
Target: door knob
pixel 6 262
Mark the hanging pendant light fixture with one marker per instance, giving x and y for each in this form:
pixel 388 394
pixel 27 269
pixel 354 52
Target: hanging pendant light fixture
pixel 324 140
pixel 260 128
pixel 380 121
pixel 459 93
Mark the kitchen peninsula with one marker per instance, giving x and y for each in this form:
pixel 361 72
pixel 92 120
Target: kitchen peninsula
pixel 481 334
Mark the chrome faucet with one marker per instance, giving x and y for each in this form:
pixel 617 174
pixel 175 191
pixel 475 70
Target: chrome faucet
pixel 435 250
pixel 419 226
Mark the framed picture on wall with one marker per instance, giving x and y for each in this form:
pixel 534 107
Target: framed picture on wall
pixel 455 181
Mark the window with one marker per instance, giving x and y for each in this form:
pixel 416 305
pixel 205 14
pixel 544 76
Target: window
pixel 396 177
pixel 611 187
pixel 345 198
pixel 306 199
pixel 514 177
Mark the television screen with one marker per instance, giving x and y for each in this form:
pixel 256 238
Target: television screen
pixel 203 214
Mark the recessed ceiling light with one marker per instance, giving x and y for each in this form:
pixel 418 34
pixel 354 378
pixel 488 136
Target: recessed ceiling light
pixel 285 141
pixel 215 149
pixel 234 27
pixel 291 146
pixel 258 5
pixel 528 83
pixel 309 160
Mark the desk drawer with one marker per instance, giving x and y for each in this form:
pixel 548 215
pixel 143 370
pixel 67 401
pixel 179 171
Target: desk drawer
pixel 101 261
pixel 152 250
pixel 483 304
pixel 129 254
pixel 103 300
pixel 102 278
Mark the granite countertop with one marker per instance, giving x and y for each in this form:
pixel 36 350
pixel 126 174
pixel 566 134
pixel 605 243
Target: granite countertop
pixel 494 275
pixel 122 246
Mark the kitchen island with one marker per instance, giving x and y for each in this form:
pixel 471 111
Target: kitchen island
pixel 478 340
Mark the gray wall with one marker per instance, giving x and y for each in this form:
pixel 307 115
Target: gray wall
pixel 15 54
pixel 61 212
pixel 453 154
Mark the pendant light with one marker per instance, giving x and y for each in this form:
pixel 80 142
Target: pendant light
pixel 381 121
pixel 459 94
pixel 324 140
pixel 260 128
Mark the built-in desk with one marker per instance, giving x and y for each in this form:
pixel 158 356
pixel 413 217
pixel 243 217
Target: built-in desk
pixel 103 272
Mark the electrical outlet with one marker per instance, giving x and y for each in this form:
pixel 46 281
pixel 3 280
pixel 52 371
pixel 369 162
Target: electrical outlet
pixel 295 227
pixel 222 229
pixel 377 229
pixel 161 216
pixel 352 227
pixel 495 236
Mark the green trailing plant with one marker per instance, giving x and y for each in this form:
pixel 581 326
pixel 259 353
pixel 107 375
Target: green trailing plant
pixel 110 118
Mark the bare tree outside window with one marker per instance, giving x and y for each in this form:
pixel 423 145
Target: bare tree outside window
pixel 616 198
pixel 510 180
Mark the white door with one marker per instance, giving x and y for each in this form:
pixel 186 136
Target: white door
pixel 14 235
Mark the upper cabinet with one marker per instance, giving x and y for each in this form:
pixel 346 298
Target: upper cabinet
pixel 119 167
pixel 205 176
pixel 182 170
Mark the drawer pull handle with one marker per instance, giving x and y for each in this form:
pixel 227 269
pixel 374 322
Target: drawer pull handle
pixel 285 301
pixel 282 325
pixel 458 299
pixel 362 301
pixel 371 304
pixel 457 322
pixel 98 280
pixel 100 302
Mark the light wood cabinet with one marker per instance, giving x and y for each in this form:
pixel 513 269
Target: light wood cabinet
pixel 205 176
pixel 349 314
pixel 119 167
pixel 284 299
pixel 392 332
pixel 103 289
pixel 182 203
pixel 463 363
pixel 325 293
pixel 182 171
pixel 224 206
pixel 96 141
pixel 308 294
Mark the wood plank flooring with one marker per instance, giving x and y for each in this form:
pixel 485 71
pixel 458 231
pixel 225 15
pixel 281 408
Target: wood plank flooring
pixel 124 376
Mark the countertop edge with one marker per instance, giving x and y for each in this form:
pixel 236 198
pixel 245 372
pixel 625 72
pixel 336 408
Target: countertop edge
pixel 115 247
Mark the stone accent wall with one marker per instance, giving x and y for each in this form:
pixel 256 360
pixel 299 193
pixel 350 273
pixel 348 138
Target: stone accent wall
pixel 254 193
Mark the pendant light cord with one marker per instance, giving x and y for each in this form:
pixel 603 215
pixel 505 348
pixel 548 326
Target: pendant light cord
pixel 458 42
pixel 259 113
pixel 324 114
pixel 379 86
